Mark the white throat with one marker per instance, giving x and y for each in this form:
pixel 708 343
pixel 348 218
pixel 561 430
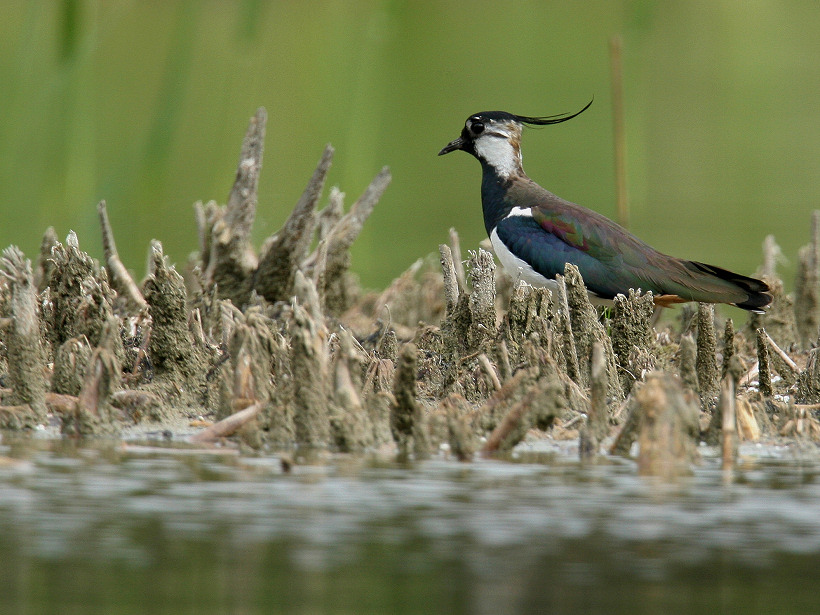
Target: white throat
pixel 500 154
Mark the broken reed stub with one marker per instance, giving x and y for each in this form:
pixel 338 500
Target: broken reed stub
pixel 529 313
pixel 807 286
pixel 407 422
pixel 764 375
pixel 706 361
pixel 564 328
pixel 542 402
pixel 171 346
pixel 631 328
pixel 728 346
pixel 340 239
pixel 350 423
pixel 481 300
pixel 92 413
pixel 26 357
pixel 81 299
pixel 583 319
pixel 668 428
pixel 462 438
pixel 448 271
pixel 713 433
pixel 728 431
pixel 70 362
pixel 45 264
pixel 251 348
pixel 284 251
pixel 687 362
pixel 597 425
pixel 451 427
pixel 231 261
pixel 309 367
pixel 587 330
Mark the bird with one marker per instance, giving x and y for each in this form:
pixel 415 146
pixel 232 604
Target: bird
pixel 534 233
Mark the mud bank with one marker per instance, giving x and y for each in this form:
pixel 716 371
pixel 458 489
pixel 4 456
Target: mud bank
pixel 279 347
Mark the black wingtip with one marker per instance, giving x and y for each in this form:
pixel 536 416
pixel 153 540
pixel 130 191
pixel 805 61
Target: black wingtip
pixel 759 293
pixel 756 303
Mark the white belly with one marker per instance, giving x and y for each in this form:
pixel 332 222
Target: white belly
pixel 521 270
pixel 517 268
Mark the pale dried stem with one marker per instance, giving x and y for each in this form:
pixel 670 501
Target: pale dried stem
pixel 729 424
pixel 749 376
pixel 121 280
pixel 781 353
pixel 227 426
pixel 455 247
pixel 489 370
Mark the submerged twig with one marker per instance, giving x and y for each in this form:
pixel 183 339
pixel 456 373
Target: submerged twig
pixel 227 426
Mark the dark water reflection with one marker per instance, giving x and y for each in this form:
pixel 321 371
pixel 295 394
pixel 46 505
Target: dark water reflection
pixel 112 530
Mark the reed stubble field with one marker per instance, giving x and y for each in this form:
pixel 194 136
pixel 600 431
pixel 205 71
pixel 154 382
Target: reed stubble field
pixel 281 350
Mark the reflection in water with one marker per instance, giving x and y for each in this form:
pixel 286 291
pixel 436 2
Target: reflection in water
pixel 119 531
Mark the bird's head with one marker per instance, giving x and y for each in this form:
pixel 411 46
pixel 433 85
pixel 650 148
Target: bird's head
pixel 494 137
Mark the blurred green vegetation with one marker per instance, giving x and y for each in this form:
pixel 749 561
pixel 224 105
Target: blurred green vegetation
pixel 145 104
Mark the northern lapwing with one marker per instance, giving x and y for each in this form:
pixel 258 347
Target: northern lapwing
pixel 535 233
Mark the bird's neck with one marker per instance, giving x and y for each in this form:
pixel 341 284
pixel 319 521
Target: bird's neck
pixel 501 165
pixel 494 200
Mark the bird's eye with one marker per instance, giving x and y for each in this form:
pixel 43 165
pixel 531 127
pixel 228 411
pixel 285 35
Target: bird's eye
pixel 477 127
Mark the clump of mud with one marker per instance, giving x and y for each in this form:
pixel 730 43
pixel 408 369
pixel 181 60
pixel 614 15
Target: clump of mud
pixel 281 347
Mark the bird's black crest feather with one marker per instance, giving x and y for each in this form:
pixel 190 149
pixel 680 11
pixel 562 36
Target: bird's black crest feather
pixel 551 119
pixel 501 116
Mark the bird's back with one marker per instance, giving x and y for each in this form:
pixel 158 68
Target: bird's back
pixel 611 259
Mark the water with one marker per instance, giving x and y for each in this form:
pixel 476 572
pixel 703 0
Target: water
pixel 112 528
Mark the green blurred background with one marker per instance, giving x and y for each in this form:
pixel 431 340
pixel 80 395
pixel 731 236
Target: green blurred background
pixel 145 104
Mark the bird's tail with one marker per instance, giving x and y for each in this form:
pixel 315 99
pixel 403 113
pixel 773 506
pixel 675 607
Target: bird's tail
pixel 757 291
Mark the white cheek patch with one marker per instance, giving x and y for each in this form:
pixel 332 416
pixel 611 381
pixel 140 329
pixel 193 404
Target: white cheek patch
pixel 499 154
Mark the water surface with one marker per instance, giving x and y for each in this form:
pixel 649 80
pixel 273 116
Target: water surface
pixel 110 528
